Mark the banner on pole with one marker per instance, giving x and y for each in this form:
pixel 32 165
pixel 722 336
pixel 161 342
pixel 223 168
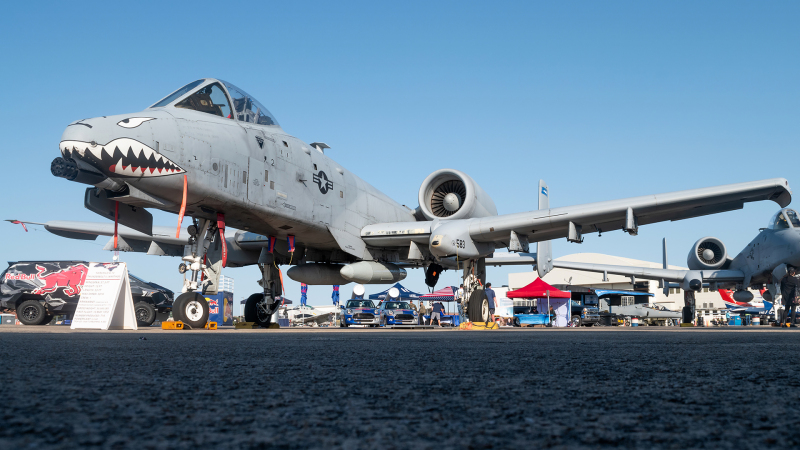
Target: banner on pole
pixel 105 302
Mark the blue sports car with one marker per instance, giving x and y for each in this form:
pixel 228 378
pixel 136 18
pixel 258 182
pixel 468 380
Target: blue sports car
pixel 397 313
pixel 360 312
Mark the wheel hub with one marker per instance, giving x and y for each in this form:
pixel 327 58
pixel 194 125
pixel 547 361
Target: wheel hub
pixel 263 310
pixel 30 313
pixel 193 310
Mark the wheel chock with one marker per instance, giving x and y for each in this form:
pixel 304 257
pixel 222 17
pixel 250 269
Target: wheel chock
pixel 246 326
pixel 479 326
pixel 172 325
pixel 211 326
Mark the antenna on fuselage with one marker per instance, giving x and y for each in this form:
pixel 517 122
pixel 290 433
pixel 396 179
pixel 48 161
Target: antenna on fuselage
pixel 320 146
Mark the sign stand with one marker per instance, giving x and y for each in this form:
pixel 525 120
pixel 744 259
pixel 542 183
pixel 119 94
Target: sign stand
pixel 106 302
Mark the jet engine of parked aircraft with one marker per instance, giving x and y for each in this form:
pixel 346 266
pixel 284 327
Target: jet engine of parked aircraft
pixel 212 152
pixel 708 253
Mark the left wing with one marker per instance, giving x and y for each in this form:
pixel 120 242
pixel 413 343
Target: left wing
pixel 479 237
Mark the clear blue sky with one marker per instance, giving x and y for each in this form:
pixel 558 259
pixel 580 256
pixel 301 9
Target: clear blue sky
pixel 603 100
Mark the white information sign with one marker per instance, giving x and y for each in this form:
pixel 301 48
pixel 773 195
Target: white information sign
pixel 106 302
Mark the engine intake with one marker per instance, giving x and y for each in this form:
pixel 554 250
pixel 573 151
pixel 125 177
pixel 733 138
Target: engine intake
pixel 452 194
pixel 708 253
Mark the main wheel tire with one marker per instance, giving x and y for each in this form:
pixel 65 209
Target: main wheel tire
pixel 256 310
pixel 478 308
pixel 32 312
pixel 576 321
pixel 145 313
pixel 192 309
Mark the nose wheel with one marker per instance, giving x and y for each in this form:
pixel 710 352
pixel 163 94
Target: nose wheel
pixel 191 308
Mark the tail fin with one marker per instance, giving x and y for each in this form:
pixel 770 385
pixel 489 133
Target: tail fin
pixel 544 250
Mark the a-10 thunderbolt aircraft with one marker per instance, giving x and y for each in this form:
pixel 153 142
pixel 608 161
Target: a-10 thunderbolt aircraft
pixel 763 262
pixel 213 153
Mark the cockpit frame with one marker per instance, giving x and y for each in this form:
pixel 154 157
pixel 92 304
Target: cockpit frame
pixel 244 107
pixel 786 218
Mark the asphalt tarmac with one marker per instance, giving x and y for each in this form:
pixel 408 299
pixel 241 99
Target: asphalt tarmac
pixel 644 388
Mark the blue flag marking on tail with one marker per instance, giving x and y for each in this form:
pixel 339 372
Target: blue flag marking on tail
pixel 544 190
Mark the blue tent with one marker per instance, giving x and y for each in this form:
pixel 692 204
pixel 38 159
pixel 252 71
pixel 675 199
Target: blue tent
pixel 405 294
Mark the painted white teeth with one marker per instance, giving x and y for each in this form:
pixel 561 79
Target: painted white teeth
pixel 127 147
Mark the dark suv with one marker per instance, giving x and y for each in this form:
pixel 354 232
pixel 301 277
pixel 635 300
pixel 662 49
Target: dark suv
pixel 39 290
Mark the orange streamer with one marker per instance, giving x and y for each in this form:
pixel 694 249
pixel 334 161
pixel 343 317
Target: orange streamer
pixel 183 207
pixel 116 222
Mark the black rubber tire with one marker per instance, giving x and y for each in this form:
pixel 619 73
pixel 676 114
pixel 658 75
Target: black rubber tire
pixel 576 319
pixel 477 304
pixel 252 314
pixel 189 302
pixel 176 308
pixel 145 313
pixel 516 322
pixel 32 312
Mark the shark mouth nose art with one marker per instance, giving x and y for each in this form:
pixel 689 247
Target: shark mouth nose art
pixel 122 157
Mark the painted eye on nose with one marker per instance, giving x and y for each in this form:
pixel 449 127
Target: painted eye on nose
pixel 133 122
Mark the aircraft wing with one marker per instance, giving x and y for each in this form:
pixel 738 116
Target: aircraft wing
pixel 628 213
pixel 161 242
pixel 648 273
pixel 471 238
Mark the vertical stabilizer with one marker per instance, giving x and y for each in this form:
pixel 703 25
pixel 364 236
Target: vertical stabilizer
pixel 544 250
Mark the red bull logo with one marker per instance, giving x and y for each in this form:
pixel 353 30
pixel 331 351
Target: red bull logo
pixel 70 279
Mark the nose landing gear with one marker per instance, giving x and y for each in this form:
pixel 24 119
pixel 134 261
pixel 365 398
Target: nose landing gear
pixel 204 263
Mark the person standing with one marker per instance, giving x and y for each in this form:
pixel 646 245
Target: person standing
pixel 460 300
pixel 436 313
pixel 789 291
pixel 490 297
pixel 422 312
pixel 552 317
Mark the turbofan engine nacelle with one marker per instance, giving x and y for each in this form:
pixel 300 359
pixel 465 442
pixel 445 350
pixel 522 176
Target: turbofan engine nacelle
pixel 452 194
pixel 708 253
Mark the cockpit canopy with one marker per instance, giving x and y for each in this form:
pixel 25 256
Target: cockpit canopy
pixel 216 97
pixel 785 218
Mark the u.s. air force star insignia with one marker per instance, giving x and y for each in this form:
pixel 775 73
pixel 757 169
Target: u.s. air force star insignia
pixel 322 181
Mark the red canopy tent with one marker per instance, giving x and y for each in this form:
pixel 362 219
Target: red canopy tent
pixel 557 299
pixel 537 289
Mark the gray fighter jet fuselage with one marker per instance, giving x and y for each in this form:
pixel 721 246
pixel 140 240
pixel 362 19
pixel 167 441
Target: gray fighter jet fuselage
pixel 265 180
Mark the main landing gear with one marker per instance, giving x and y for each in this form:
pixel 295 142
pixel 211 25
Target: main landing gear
pixel 260 308
pixel 474 281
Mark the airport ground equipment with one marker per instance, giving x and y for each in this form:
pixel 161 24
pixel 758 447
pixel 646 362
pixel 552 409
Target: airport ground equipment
pixel 40 290
pixel 214 154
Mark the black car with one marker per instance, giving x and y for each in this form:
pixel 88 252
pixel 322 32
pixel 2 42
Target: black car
pixel 39 290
